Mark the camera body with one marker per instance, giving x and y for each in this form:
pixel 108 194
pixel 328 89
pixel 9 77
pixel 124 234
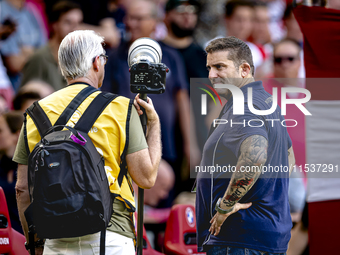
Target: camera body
pixel 147 73
pixel 148 78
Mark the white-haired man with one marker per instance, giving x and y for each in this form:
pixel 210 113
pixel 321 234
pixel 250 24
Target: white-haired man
pixel 82 59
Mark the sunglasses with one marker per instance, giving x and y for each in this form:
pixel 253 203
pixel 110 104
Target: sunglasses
pixel 279 60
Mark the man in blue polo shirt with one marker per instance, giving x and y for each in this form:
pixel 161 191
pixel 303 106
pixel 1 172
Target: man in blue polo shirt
pixel 242 203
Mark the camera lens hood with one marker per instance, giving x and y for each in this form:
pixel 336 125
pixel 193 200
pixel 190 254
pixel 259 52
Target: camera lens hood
pixel 144 49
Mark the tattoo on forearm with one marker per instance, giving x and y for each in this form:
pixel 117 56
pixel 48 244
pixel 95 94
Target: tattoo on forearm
pixel 248 169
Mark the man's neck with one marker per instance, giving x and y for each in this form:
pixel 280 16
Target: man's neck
pixel 243 83
pixel 178 43
pixel 83 80
pixel 246 81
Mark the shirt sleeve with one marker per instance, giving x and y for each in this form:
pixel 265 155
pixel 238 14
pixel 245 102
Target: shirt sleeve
pixel 137 139
pixel 20 154
pixel 244 126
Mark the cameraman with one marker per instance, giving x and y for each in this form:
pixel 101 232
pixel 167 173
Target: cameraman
pixel 82 59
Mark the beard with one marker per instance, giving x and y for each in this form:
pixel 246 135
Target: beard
pixel 231 81
pixel 181 32
pixel 224 92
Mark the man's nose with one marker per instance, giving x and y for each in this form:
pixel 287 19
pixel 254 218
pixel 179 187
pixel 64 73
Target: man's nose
pixel 213 73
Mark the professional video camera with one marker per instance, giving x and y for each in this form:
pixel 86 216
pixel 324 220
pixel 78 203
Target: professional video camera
pixel 147 74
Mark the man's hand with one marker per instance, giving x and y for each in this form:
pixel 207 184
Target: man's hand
pixel 218 219
pixel 149 108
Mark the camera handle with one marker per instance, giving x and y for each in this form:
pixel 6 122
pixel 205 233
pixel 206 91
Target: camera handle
pixel 143 117
pixel 140 224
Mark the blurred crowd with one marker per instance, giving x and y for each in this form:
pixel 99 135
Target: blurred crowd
pixel 32 30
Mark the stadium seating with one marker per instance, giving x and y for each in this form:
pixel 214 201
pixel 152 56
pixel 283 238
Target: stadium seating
pixel 11 241
pixel 180 232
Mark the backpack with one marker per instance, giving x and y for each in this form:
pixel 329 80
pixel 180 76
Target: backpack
pixel 68 186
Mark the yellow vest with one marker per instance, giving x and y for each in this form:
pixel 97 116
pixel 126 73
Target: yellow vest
pixel 109 135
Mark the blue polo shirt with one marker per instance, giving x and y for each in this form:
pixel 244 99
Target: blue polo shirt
pixel 267 223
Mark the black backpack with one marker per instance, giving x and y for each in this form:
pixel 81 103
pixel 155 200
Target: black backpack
pixel 68 186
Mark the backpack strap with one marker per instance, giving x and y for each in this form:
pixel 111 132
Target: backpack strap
pixel 43 123
pixel 123 165
pixel 93 111
pixel 74 104
pixel 39 117
pixel 102 242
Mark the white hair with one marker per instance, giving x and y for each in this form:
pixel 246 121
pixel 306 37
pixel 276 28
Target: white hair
pixel 77 51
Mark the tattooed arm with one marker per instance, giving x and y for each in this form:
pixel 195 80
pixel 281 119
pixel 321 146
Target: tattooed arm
pixel 253 155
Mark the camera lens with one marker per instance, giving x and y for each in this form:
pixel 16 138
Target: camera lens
pixel 144 49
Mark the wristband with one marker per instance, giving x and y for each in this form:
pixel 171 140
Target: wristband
pixel 220 210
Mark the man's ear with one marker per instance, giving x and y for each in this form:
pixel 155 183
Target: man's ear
pixel 245 70
pixel 96 64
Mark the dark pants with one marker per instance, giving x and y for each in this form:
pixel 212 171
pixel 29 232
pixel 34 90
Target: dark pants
pixel 223 250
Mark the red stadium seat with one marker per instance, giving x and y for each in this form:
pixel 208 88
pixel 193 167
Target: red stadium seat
pixel 11 241
pixel 147 249
pixel 180 232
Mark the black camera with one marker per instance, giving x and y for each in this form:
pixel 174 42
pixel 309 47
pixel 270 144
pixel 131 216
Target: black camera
pixel 147 73
pixel 148 78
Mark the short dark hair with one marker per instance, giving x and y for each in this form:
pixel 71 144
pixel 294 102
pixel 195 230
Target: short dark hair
pixel 60 8
pixel 231 6
pixel 14 120
pixel 22 96
pixel 287 39
pixel 239 51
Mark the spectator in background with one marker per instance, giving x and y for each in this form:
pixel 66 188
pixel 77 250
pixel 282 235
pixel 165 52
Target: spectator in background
pixel 10 125
pixel 293 30
pixel 42 88
pixel 261 37
pixel 239 20
pixel 6 89
pixel 181 20
pixel 287 59
pixel 116 9
pixel 66 17
pixel 261 34
pixel 210 21
pixel 141 21
pixel 28 36
pixel 96 18
pixel 286 66
pixel 23 100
